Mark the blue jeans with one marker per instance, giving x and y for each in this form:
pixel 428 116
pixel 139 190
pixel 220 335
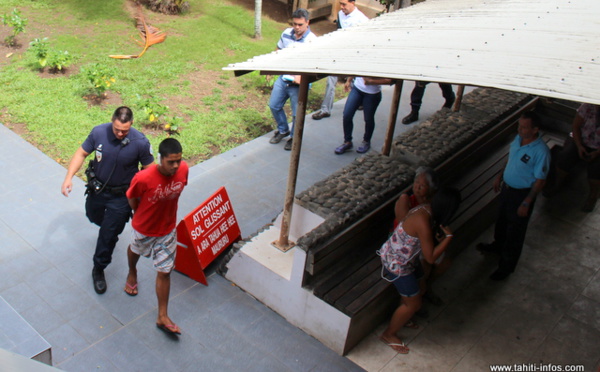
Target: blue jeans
pixel 279 96
pixel 111 213
pixel 369 103
pixel 407 285
pixel 327 104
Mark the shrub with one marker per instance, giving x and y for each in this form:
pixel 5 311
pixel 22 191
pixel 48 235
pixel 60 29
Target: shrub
pixel 41 50
pixel 100 77
pixel 58 59
pixel 152 110
pixel 173 124
pixel 17 23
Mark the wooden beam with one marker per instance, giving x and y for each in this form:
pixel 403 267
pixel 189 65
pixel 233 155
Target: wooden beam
pixel 283 244
pixel 459 95
pixel 389 134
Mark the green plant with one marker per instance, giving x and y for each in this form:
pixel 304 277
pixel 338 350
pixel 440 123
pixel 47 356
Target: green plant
pixel 151 108
pixel 100 77
pixel 17 23
pixel 58 59
pixel 173 124
pixel 40 48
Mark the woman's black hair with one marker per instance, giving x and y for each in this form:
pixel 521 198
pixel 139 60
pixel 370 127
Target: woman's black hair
pixel 444 204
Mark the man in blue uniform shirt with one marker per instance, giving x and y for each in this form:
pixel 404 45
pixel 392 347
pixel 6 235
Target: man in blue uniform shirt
pixel 523 178
pixel 119 151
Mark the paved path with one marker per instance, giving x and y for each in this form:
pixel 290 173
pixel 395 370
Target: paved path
pixel 47 246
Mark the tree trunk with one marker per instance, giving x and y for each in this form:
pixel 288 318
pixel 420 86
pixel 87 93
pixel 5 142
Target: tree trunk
pixel 257 19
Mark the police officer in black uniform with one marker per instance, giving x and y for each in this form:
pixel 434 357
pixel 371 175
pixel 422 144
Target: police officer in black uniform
pixel 119 151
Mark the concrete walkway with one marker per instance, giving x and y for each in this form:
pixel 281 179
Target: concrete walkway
pixel 548 311
pixel 46 258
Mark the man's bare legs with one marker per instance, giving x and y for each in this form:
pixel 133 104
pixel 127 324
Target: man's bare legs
pixel 131 283
pixel 163 288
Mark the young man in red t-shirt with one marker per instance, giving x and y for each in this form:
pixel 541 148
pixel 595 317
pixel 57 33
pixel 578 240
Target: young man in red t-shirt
pixel 153 196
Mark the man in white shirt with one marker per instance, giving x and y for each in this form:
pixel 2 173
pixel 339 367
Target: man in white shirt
pixel 348 16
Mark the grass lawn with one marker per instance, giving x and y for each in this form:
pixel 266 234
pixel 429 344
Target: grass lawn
pixel 215 110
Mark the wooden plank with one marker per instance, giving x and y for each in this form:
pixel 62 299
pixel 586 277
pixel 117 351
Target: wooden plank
pixel 367 297
pixel 353 280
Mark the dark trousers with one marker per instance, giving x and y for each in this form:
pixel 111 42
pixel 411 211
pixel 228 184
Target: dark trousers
pixel 369 102
pixel 110 212
pixel 416 96
pixel 510 230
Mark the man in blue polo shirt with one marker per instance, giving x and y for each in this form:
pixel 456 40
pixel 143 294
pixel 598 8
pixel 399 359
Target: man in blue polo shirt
pixel 119 151
pixel 524 177
pixel 287 86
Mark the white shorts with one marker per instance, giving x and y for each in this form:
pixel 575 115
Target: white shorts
pixel 163 249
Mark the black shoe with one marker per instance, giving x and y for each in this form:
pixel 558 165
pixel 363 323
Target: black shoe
pixel 499 275
pixel 320 115
pixel 488 248
pixel 288 145
pixel 411 118
pixel 99 281
pixel 449 103
pixel 278 137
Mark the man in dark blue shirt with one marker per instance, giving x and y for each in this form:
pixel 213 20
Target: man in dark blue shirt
pixel 119 151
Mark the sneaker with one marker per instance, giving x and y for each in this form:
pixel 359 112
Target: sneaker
pixel 278 137
pixel 99 280
pixel 343 148
pixel 288 145
pixel 320 115
pixel 411 118
pixel 364 147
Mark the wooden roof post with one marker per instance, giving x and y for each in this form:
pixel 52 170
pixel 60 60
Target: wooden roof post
pixel 389 134
pixel 459 94
pixel 283 244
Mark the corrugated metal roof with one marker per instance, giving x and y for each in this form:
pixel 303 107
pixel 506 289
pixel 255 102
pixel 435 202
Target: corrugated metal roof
pixel 543 47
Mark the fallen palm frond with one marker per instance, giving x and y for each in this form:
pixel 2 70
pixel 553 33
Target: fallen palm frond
pixel 150 36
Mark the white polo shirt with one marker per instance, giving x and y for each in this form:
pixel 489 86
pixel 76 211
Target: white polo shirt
pixel 351 19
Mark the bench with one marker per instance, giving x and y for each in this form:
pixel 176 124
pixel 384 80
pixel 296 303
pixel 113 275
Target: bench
pixel 345 271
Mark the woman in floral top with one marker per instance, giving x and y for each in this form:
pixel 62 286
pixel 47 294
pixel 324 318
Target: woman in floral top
pixel 400 257
pixel 584 146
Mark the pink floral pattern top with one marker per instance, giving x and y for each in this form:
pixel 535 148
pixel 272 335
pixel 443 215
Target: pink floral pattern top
pixel 590 130
pixel 399 254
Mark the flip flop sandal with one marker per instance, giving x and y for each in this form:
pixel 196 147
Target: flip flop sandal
pixel 170 329
pixel 132 288
pixel 394 345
